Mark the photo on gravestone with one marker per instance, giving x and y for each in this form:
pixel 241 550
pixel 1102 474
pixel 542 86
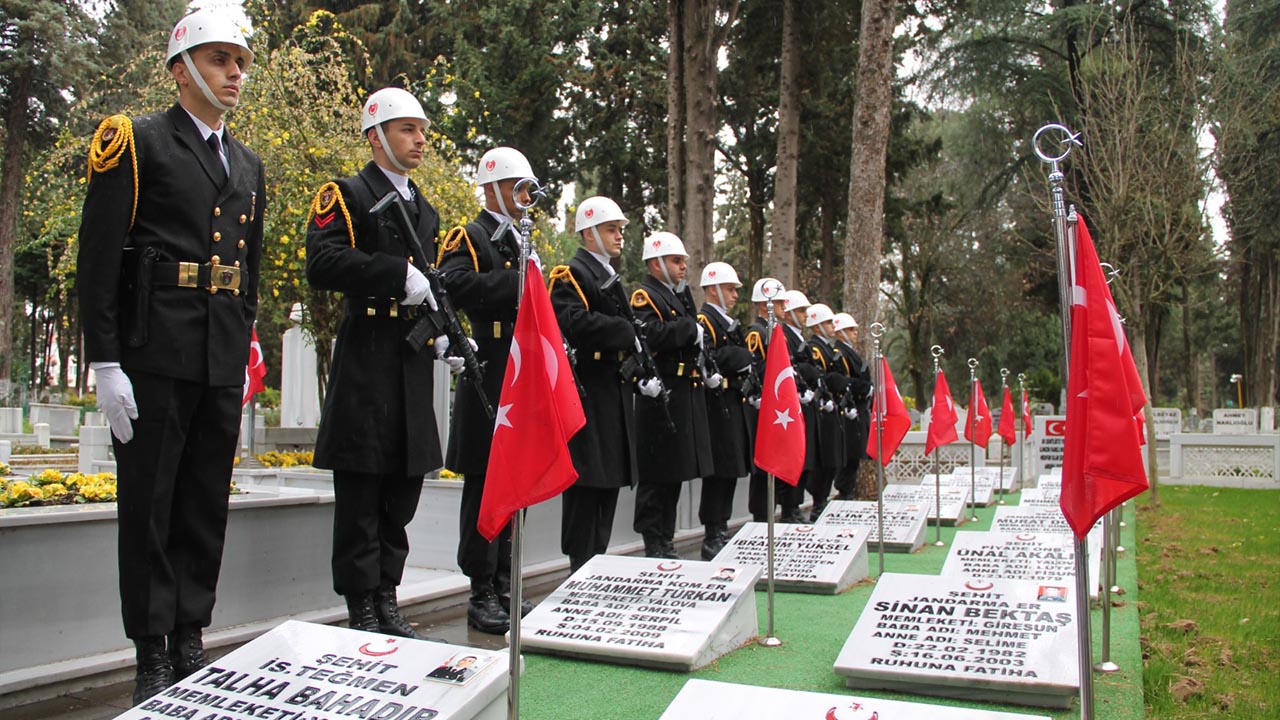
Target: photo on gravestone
pixel 668 614
pixel 317 672
pixel 967 638
pixel 807 558
pixel 904 525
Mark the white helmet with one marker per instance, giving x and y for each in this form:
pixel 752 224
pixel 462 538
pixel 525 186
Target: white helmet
pixel 661 244
pixel 597 210
pixel 390 103
pixel 773 286
pixel 502 163
pixel 794 300
pixel 817 314
pixel 845 321
pixel 720 273
pixel 206 26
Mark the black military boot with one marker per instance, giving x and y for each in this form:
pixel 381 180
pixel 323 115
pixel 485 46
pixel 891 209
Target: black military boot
pixel 654 546
pixel 817 510
pixel 360 612
pixel 154 671
pixel 792 515
pixel 502 586
pixel 669 549
pixel 713 540
pixel 390 621
pixel 484 612
pixel 186 652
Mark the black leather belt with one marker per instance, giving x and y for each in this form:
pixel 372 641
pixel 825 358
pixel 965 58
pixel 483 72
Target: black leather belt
pixel 206 276
pixel 386 309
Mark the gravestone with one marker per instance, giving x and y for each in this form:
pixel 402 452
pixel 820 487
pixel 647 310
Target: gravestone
pixel 903 529
pixel 983 486
pixel 821 559
pixel 63 420
pixel 925 496
pixel 299 387
pixel 300 670
pixel 1017 556
pixel 1168 422
pixel 668 614
pixel 712 700
pixel 1051 431
pixel 1267 419
pixel 1234 422
pixel 1008 476
pixel 1039 520
pixel 968 638
pixel 1050 482
pixel 1041 497
pixel 10 421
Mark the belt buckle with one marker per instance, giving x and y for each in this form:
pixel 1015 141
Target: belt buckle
pixel 224 277
pixel 188 275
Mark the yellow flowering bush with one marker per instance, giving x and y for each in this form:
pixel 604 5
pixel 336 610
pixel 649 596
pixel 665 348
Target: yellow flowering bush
pixel 276 458
pixel 99 488
pixel 19 493
pixel 449 475
pixel 4 469
pixel 49 487
pixel 46 477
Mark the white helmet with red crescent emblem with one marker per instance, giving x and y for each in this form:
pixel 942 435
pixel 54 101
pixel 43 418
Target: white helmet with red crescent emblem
pixel 720 273
pixel 661 244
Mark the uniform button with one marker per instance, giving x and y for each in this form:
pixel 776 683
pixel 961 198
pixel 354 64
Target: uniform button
pixel 217 212
pixel 242 219
pixel 241 243
pixel 217 237
pixel 215 260
pixel 507 265
pixel 410 259
pixel 236 263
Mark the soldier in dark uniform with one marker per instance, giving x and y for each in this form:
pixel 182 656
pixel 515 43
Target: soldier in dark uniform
pixel 757 343
pixel 856 408
pixel 731 449
pixel 378 430
pixel 832 382
pixel 667 457
pixel 170 239
pixel 479 262
pixel 794 305
pixel 596 324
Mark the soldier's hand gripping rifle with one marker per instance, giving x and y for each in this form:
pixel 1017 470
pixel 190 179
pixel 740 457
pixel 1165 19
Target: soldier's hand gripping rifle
pixel 640 363
pixel 421 331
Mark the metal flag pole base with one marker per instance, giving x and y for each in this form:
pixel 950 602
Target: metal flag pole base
pixel 769 639
pixel 937 489
pixel 1106 667
pixel 517 601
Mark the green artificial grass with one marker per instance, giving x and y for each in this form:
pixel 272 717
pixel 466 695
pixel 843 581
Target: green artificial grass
pixel 1209 561
pixel 814 629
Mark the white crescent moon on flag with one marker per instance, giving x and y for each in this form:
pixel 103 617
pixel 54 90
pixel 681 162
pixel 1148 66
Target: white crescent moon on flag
pixel 787 372
pixel 549 356
pixel 515 360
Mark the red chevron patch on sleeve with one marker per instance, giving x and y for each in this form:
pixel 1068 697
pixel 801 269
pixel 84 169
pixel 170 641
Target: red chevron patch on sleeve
pixel 323 220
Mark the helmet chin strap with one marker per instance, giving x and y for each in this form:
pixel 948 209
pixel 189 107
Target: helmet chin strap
pixel 386 149
pixel 599 243
pixel 666 276
pixel 204 86
pixel 502 204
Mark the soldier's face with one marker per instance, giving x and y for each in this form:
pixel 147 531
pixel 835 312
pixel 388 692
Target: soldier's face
pixel 406 139
pixel 221 64
pixel 610 240
pixel 828 328
pixel 677 267
pixel 728 295
pixel 507 188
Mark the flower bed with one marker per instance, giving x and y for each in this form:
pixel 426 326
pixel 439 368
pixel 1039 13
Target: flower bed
pixel 52 487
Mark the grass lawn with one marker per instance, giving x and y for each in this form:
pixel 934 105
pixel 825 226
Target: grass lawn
pixel 1209 568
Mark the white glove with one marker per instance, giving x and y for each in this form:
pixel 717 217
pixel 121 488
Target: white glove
pixel 806 397
pixel 851 414
pixel 417 289
pixel 651 387
pixel 755 402
pixel 715 381
pixel 455 363
pixel 115 398
pixel 828 406
pixel 700 333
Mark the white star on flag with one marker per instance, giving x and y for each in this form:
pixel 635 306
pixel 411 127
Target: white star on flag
pixel 784 418
pixel 502 419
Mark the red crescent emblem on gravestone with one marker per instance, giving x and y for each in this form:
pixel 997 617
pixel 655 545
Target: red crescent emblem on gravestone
pixel 663 567
pixel 589 212
pixel 490 165
pixel 832 714
pixel 802 529
pixel 389 643
pixel 179 32
pixel 1025 538
pixel 980 587
pixel 373 109
pixel 1055 427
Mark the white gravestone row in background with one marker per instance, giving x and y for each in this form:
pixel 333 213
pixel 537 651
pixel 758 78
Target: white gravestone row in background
pixel 301 671
pixel 966 638
pixel 983 487
pixel 711 700
pixel 668 614
pixel 1168 421
pixel 806 558
pixel 1008 476
pixel 1051 431
pixel 903 528
pixel 299 387
pixel 1041 497
pixel 1032 521
pixel 1235 422
pixel 925 495
pixel 1018 556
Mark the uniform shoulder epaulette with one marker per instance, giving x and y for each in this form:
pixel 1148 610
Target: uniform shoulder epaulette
pixel 323 211
pixel 755 343
pixel 111 140
pixel 640 298
pixel 454 240
pixel 706 322
pixel 562 272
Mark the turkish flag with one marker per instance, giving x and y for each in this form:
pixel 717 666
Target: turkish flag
pixel 894 413
pixel 977 428
pixel 942 416
pixel 1101 454
pixel 255 371
pixel 1027 425
pixel 538 411
pixel 780 432
pixel 1007 430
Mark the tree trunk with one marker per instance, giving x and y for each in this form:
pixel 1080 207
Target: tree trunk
pixel 782 259
pixel 1190 359
pixel 10 202
pixel 1139 350
pixel 675 117
pixel 867 168
pixel 827 233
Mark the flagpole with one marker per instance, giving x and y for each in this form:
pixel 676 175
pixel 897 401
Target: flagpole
pixel 937 353
pixel 1004 386
pixel 877 414
pixel 517 518
pixel 1026 431
pixel 973 438
pixel 770 640
pixel 1066 278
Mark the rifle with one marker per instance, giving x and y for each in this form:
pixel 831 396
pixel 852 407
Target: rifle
pixel 707 365
pixel 640 363
pixel 421 331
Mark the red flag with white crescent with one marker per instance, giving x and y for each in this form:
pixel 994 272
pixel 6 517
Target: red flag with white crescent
pixel 255 372
pixel 896 419
pixel 780 432
pixel 977 429
pixel 942 416
pixel 1007 429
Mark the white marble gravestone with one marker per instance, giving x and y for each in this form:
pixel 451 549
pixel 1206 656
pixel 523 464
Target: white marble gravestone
pixel 903 528
pixel 1018 556
pixel 712 700
pixel 968 638
pixel 1041 497
pixel 317 672
pixel 1051 483
pixel 1037 520
pixel 1235 422
pixel 983 486
pixel 925 495
pixel 1007 477
pixel 1168 421
pixel 821 559
pixel 668 614
pixel 1050 434
pixel 299 387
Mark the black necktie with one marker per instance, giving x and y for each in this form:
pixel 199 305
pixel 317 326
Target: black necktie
pixel 216 147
